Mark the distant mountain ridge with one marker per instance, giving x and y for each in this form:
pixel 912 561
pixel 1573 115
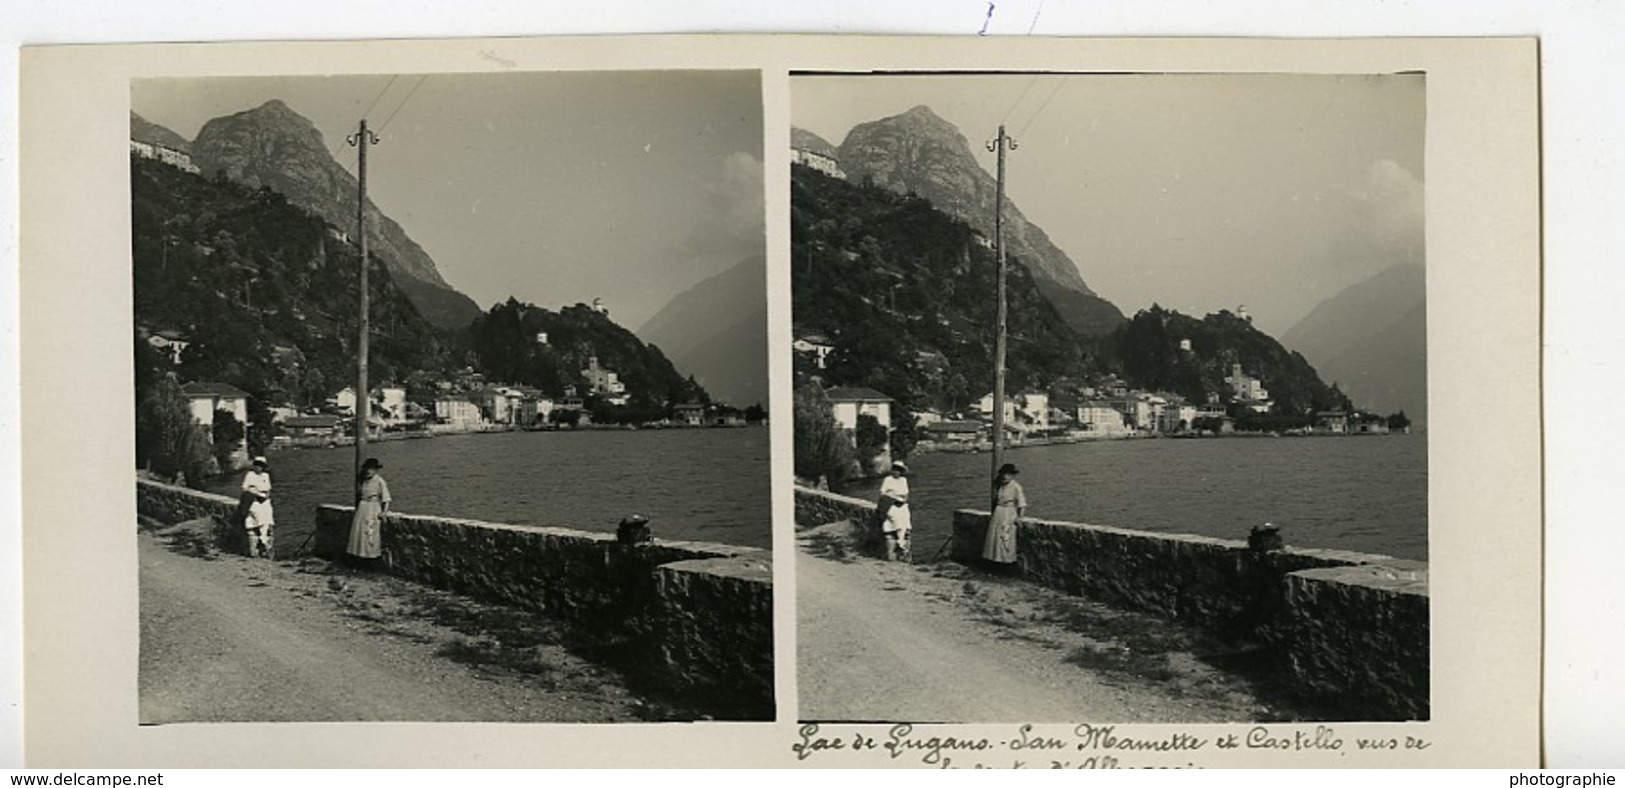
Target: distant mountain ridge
pixel 717 331
pixel 262 292
pixel 274 146
pixel 505 340
pixel 919 152
pixel 903 293
pixel 802 139
pixel 1372 339
pixel 143 130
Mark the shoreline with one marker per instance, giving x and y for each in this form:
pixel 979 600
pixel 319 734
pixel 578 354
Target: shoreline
pixel 932 447
pixel 343 441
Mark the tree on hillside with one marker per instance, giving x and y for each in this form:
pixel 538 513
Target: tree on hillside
pixel 167 440
pixel 823 452
pixel 227 434
pixel 904 433
pixel 873 438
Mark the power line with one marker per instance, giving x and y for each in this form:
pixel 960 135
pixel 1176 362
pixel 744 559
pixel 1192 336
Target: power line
pixel 409 96
pixel 1060 83
pixel 334 150
pixel 1017 102
pixel 1035 18
pixel 380 95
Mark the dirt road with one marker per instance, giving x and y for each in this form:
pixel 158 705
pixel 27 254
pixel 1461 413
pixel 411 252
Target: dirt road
pixel 228 638
pixel 942 643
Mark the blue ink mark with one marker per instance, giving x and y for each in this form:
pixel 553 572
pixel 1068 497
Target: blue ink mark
pixel 986 19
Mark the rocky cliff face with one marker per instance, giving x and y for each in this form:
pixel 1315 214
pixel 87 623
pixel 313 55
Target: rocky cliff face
pixel 920 152
pixel 273 146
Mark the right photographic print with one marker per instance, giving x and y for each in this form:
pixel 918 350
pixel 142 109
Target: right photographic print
pixel 1110 397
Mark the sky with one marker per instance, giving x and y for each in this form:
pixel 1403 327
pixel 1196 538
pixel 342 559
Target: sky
pixel 1196 192
pixel 553 187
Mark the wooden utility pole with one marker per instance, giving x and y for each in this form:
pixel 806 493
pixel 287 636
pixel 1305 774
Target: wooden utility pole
pixel 363 397
pixel 999 145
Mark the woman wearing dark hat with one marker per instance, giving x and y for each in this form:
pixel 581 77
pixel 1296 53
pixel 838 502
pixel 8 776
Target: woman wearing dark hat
pixel 372 501
pixel 1009 502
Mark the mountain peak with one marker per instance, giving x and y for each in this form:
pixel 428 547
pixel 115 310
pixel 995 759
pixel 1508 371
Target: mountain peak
pixel 922 112
pixel 918 151
pixel 276 108
pixel 274 146
pixel 921 119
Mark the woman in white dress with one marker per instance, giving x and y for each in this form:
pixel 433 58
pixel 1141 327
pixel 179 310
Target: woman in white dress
pixel 898 522
pixel 259 518
pixel 1009 502
pixel 372 501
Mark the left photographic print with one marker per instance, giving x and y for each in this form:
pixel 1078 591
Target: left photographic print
pixel 450 396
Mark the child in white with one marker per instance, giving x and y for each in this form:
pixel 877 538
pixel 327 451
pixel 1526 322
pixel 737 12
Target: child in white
pixel 257 482
pixel 894 495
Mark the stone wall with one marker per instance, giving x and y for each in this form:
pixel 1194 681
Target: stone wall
pixel 714 618
pixel 818 507
pixel 1361 632
pixel 169 503
pixel 1351 629
pixel 700 613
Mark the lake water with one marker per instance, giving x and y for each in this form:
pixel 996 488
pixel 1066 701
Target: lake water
pixel 1363 493
pixel 697 484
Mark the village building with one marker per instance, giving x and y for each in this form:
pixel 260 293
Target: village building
pixel 458 411
pixel 1024 411
pixel 1370 424
pixel 1247 389
pixel 821 162
pixel 1136 411
pixel 604 382
pixel 163 153
pixel 816 347
pixel 1177 416
pixel 955 432
pixel 690 413
pixel 1098 416
pixel 206 398
pixel 344 400
pixel 533 407
pixel 389 403
pixel 1333 421
pixel 927 417
pixel 850 402
pixel 170 343
pixel 494 404
pixel 317 426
